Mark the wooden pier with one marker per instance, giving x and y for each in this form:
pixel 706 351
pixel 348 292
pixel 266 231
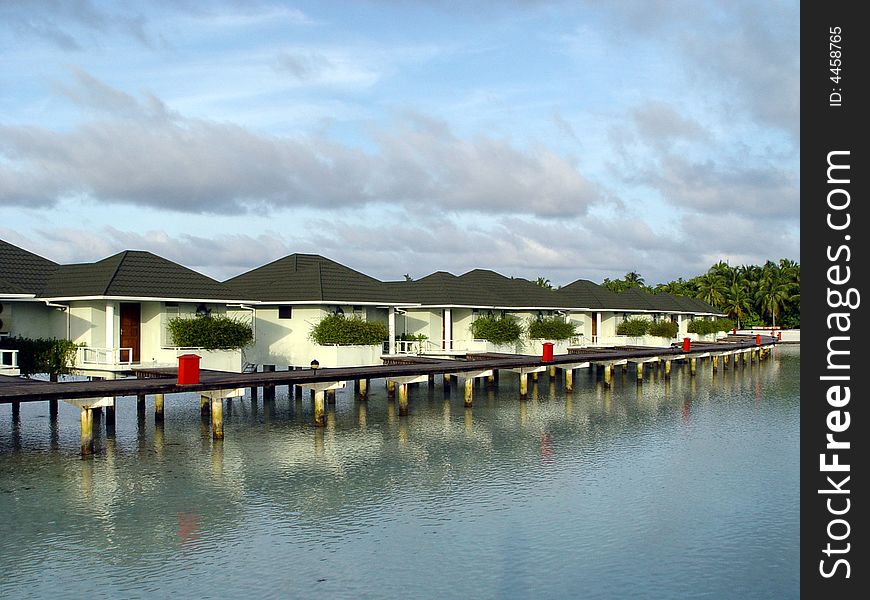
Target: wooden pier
pixel 401 371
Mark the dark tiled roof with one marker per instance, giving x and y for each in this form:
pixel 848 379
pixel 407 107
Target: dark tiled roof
pixel 135 274
pixel 586 294
pixel 310 277
pixel 22 270
pixel 480 287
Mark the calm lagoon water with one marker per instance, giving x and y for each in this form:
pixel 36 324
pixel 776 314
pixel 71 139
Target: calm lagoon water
pixel 680 490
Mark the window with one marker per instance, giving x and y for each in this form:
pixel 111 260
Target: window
pixel 285 312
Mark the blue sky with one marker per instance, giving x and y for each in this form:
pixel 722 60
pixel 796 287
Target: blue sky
pixel 557 139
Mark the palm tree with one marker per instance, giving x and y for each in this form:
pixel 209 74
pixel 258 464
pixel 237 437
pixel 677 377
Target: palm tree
pixel 633 279
pixel 736 304
pixel 773 292
pixel 711 288
pixel 544 283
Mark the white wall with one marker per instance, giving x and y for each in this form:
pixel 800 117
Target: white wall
pixel 32 320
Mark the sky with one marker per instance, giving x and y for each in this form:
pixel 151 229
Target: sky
pixel 562 140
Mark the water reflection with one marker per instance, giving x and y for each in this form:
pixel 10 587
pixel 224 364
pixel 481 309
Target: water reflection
pixel 635 486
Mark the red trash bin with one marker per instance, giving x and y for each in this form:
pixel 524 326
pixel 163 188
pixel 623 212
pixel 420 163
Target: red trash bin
pixel 758 339
pixel 188 369
pixel 548 352
pixel 687 344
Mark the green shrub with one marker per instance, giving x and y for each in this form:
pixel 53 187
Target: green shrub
pixel 213 332
pixel 704 327
pixel 665 329
pixel 553 328
pixel 42 355
pixel 633 327
pixel 338 330
pixel 723 324
pixel 498 330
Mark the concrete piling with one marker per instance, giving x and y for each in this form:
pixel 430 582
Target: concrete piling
pixel 569 380
pixel 391 389
pixel 524 384
pixel 319 409
pixel 87 437
pixel 330 396
pixel 608 375
pixel 667 369
pixel 217 417
pixel 158 407
pixel 640 372
pixel 469 391
pixel 204 402
pixel 715 361
pixel 403 399
pixel 693 365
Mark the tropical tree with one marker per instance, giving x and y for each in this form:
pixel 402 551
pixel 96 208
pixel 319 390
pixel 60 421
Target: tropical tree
pixel 772 292
pixel 544 283
pixel 711 288
pixel 737 302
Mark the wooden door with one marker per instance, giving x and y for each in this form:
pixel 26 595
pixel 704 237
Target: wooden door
pixel 594 327
pixel 131 315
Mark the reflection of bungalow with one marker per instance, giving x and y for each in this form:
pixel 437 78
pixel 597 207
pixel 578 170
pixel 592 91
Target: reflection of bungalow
pixel 295 292
pixel 117 308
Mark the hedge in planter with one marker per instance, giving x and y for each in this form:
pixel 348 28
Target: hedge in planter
pixel 213 332
pixel 338 330
pixel 553 328
pixel 498 330
pixel 42 355
pixel 703 327
pixel 633 327
pixel 665 329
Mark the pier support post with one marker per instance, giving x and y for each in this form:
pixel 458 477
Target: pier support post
pixel 715 361
pixel 217 417
pixel 667 369
pixel 524 384
pixel 640 372
pixel 204 402
pixel 297 392
pixel 52 410
pixel 330 396
pixel 569 380
pixel 431 380
pixel 87 431
pixel 140 406
pixel 403 399
pixel 608 372
pixel 445 379
pixel 469 391
pixel 158 408
pixel 391 389
pixel 362 389
pixel 110 419
pixel 268 388
pixel 552 371
pixel 693 366
pixel 725 359
pixel 16 412
pixel 319 408
pixel 535 376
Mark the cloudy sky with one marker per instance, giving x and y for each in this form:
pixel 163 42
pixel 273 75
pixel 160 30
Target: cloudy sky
pixel 558 139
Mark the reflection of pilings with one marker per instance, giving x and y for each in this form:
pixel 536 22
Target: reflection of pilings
pixel 725 360
pixel 330 396
pixel 469 391
pixel 362 414
pixel 403 399
pixel 319 408
pixel 715 360
pixel 16 412
pixel 87 437
pixel 469 420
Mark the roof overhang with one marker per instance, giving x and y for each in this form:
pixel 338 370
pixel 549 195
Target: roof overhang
pixel 147 299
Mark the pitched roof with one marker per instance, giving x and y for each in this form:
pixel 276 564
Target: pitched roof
pixel 23 272
pixel 479 287
pixel 586 294
pixel 307 278
pixel 134 274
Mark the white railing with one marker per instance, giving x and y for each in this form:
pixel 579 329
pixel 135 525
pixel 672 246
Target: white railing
pixel 86 355
pixel 8 360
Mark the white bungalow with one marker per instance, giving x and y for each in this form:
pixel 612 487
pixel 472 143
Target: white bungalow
pixel 295 292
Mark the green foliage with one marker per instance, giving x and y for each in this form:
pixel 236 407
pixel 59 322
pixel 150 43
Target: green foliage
pixel 42 355
pixel 552 328
pixel 665 329
pixel 338 330
pixel 633 327
pixel 213 332
pixel 498 330
pixel 412 337
pixel 705 327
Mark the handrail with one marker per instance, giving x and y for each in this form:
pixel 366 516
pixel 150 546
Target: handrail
pixel 89 355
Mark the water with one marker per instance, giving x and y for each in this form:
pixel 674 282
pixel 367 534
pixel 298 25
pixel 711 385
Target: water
pixel 684 490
